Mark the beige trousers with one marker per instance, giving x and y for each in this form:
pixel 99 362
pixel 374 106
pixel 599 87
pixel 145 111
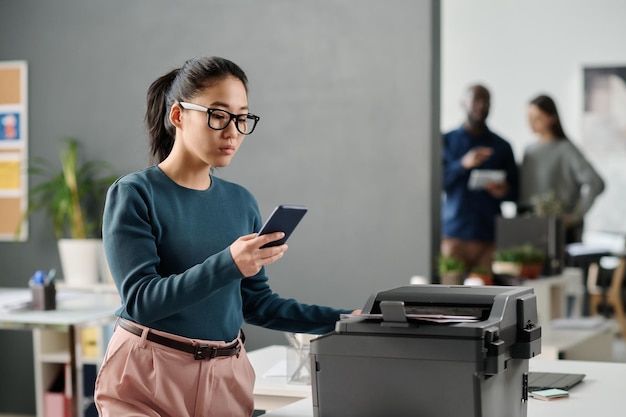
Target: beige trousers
pixel 142 378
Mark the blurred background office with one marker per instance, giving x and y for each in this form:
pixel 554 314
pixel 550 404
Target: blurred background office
pixel 522 48
pixel 365 122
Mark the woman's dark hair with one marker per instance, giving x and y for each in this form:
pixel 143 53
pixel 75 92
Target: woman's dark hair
pixel 548 106
pixel 179 85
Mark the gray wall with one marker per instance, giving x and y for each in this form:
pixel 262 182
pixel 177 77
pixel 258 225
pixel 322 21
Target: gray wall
pixel 348 92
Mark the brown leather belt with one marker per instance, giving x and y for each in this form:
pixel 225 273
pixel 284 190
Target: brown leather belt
pixel 199 352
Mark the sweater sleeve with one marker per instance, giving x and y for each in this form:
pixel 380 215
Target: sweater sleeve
pixel 131 251
pixel 590 182
pixel 262 307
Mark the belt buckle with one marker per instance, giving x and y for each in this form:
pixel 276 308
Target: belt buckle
pixel 203 352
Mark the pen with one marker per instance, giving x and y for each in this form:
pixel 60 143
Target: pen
pixel 50 276
pixel 39 278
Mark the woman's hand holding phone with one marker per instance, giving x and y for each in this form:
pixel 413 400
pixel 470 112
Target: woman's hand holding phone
pixel 249 254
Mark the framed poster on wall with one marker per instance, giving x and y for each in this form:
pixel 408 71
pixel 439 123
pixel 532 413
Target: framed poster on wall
pixel 13 149
pixel 604 142
pixel 604 120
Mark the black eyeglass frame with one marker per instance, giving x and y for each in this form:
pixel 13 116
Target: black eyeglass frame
pixel 208 110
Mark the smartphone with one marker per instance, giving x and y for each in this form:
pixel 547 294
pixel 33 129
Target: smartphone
pixel 284 219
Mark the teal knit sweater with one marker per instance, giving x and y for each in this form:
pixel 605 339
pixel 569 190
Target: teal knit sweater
pixel 168 251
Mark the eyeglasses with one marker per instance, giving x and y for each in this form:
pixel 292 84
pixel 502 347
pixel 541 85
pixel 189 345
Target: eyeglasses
pixel 219 119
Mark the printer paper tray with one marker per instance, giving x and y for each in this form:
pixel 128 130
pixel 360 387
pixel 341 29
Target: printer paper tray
pixel 434 318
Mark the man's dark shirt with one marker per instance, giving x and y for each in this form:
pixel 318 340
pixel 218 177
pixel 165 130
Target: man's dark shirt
pixel 471 214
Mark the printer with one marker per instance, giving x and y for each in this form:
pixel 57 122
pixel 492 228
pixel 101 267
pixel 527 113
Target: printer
pixel 429 351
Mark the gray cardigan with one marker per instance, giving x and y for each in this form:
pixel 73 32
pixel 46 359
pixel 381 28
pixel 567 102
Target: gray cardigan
pixel 559 167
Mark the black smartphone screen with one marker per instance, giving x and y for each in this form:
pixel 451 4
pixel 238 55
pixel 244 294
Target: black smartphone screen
pixel 284 219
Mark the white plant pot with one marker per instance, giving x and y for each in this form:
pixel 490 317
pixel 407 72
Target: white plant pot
pixel 80 261
pixel 508 268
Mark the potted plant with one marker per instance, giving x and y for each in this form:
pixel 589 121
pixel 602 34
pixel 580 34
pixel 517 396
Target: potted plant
pixel 533 259
pixel 451 270
pixel 547 205
pixel 524 261
pixel 482 273
pixel 507 262
pixel 73 197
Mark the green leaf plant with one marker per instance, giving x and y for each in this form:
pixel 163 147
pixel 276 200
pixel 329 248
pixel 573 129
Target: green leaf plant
pixel 523 254
pixel 74 196
pixel 449 264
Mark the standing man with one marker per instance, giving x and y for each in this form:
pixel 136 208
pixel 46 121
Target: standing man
pixel 469 212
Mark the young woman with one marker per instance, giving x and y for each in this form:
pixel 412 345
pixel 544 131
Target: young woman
pixel 186 259
pixel 553 168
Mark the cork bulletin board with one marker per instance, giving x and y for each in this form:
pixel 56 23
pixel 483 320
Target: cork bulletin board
pixel 13 149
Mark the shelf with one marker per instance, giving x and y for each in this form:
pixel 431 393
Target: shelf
pixel 71 339
pixel 55 357
pixel 52 350
pixel 92 361
pixel 64 357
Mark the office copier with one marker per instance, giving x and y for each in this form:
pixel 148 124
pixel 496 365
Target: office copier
pixel 429 351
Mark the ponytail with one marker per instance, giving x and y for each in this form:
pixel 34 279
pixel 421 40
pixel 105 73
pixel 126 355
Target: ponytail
pixel 160 129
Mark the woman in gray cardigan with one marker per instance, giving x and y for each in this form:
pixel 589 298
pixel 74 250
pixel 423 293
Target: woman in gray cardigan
pixel 553 167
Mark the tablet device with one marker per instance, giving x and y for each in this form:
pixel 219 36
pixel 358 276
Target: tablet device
pixel 479 177
pixel 284 219
pixel 545 380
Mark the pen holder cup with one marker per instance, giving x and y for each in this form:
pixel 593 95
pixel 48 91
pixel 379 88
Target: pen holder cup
pixel 298 365
pixel 44 297
pixel 299 358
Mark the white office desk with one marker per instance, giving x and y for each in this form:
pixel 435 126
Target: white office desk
pixel 74 312
pixel 602 391
pixel 592 344
pixel 271 389
pixel 73 308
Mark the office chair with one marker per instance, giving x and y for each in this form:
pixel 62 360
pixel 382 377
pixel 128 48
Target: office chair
pixel 611 296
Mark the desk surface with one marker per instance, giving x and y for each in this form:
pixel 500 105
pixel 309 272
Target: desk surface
pixel 270 366
pixel 602 388
pixel 72 308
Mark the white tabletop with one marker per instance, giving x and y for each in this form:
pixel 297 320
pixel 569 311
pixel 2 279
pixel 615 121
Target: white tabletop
pixel 270 366
pixel 601 391
pixel 73 307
